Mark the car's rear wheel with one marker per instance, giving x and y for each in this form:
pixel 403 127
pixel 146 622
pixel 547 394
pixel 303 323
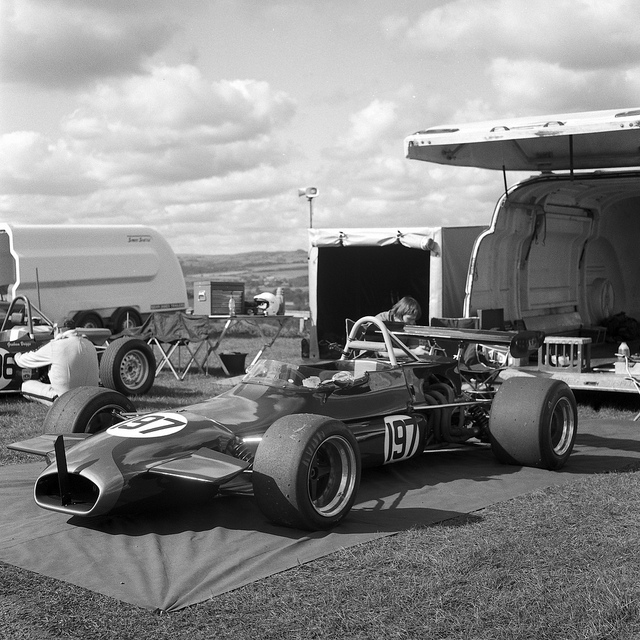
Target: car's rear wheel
pixel 87 410
pixel 128 366
pixel 533 422
pixel 306 472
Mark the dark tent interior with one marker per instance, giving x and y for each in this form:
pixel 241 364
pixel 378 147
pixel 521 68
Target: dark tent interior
pixel 361 281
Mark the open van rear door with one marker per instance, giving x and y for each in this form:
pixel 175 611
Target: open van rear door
pixel 589 140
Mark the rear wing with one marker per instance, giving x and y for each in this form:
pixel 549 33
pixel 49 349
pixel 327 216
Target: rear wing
pixel 520 343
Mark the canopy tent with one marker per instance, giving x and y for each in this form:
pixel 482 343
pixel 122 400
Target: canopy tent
pixel 357 272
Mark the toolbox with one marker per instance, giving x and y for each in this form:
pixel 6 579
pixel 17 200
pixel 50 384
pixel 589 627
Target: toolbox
pixel 211 298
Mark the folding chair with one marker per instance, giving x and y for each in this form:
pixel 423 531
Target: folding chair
pixel 166 352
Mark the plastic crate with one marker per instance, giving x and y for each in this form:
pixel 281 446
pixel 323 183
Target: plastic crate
pixel 563 353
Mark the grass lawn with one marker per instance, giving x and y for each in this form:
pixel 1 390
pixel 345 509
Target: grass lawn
pixel 559 564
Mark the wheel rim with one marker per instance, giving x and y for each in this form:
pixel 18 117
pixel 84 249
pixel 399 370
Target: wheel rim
pixel 332 476
pixel 134 370
pixel 563 426
pixel 90 323
pixel 129 323
pixel 104 418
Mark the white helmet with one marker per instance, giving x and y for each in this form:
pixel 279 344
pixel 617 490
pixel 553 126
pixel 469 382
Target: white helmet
pixel 267 303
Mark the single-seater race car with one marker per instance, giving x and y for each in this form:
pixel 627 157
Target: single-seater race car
pixel 127 364
pixel 300 434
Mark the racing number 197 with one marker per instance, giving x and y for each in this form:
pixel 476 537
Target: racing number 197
pixel 401 438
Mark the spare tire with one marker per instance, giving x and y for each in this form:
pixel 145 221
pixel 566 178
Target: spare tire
pixel 128 366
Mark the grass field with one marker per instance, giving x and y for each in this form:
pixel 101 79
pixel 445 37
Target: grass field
pixel 555 564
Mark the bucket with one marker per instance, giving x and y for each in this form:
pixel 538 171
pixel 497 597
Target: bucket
pixel 234 362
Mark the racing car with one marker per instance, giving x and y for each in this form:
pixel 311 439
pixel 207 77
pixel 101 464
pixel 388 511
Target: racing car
pixel 300 434
pixel 127 364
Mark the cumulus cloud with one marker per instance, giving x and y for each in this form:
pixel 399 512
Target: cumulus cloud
pixel 582 34
pixel 30 163
pixel 550 88
pixel 169 126
pixel 65 43
pixel 368 129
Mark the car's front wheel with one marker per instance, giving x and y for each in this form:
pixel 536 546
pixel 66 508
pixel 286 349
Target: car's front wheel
pixel 533 422
pixel 87 410
pixel 306 472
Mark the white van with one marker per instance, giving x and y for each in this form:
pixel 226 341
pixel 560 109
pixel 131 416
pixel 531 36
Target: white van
pixel 563 249
pixel 99 275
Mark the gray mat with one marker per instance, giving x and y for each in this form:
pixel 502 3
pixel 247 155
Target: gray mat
pixel 182 555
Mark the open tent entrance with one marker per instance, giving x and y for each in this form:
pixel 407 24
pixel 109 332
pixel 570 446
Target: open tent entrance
pixel 357 281
pixel 358 272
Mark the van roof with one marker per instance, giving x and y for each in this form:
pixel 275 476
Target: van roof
pixel 588 140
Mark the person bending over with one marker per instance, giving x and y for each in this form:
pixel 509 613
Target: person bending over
pixel 72 360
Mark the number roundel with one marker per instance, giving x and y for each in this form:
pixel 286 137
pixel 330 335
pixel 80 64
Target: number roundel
pixel 152 425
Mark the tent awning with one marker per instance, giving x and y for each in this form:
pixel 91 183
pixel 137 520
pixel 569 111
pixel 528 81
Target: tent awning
pixel 413 238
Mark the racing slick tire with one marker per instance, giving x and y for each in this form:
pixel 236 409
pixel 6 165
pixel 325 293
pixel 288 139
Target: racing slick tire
pixel 533 422
pixel 128 366
pixel 87 410
pixel 306 472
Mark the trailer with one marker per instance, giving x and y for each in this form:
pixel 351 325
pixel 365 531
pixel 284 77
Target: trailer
pixel 109 276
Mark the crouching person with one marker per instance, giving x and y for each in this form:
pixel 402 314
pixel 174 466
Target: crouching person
pixel 72 361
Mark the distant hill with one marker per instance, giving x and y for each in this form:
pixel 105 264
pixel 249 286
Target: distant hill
pixel 259 271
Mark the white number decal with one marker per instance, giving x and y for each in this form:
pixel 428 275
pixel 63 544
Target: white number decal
pixel 401 438
pixel 153 425
pixel 7 368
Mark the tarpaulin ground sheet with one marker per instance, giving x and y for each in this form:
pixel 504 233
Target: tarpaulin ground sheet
pixel 181 555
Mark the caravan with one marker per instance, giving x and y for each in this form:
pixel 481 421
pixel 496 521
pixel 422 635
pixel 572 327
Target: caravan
pixel 100 275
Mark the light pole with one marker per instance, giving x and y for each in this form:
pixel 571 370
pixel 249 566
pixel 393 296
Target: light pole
pixel 310 193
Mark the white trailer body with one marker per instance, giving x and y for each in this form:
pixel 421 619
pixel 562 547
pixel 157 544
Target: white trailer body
pixel 562 252
pixel 358 272
pixel 100 275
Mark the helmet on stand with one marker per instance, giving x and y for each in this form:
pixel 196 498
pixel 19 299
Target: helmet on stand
pixel 267 303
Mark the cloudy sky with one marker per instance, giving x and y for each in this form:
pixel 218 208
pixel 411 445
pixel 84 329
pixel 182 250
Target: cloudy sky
pixel 202 118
